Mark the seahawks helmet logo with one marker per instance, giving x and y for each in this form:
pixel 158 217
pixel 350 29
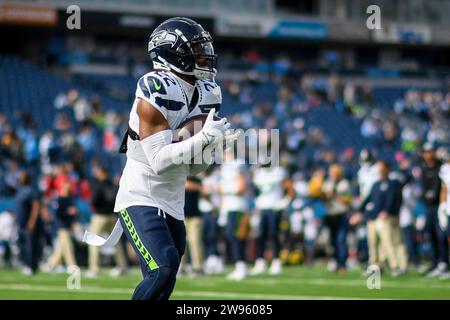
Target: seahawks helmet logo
pixel 161 38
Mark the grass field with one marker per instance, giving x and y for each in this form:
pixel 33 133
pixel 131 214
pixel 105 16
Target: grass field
pixel 295 283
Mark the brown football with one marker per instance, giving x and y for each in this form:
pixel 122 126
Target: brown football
pixel 190 126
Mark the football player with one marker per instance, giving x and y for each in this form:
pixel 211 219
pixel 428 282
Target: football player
pixel 444 207
pixel 234 212
pixel 275 192
pixel 150 199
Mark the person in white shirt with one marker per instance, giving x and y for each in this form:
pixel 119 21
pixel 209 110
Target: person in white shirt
pixel 8 233
pixel 367 176
pixel 209 205
pixel 275 192
pixel 337 193
pixel 444 207
pixel 234 215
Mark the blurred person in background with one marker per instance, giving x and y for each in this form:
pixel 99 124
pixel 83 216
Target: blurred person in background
pixel 444 206
pixel 407 218
pixel 366 177
pixel 233 213
pixel 337 195
pixel 431 184
pixel 194 226
pixel 28 223
pixel 64 215
pixel 8 234
pixel 208 205
pixel 381 209
pixel 274 193
pixel 103 197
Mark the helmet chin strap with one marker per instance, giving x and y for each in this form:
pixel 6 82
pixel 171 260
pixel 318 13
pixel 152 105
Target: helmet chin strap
pixel 204 74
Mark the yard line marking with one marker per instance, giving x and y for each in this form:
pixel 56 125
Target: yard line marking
pixel 344 282
pixel 236 295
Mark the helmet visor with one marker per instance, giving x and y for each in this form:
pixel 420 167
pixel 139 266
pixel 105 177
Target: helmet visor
pixel 204 55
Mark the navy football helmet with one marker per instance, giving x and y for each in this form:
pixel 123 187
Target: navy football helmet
pixel 366 156
pixel 181 44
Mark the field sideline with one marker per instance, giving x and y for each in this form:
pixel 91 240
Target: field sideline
pixel 295 283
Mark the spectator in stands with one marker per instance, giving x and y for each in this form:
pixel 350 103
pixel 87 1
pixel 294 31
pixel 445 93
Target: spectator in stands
pixel 28 222
pixel 431 185
pixel 12 177
pixel 337 195
pixel 194 226
pixel 103 196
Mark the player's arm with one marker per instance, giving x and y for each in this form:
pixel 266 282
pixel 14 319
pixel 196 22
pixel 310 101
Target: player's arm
pixel 443 195
pixel 193 185
pixel 289 187
pixel 35 207
pixel 156 138
pixel 241 184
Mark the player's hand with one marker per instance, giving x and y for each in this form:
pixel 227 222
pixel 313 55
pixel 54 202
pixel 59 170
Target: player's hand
pixel 383 215
pixel 356 218
pixel 214 131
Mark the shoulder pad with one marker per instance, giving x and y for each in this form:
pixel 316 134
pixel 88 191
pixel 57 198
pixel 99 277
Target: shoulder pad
pixel 161 90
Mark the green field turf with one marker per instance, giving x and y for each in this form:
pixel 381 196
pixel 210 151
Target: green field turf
pixel 295 283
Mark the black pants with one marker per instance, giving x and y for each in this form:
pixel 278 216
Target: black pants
pixel 7 252
pixel 210 231
pixel 30 247
pixel 269 227
pixel 437 236
pixel 237 245
pixel 338 225
pixel 159 240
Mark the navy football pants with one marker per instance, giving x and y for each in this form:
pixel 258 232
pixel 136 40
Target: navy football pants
pixel 159 240
pixel 269 230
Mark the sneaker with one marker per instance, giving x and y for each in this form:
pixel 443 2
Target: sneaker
pixel 117 272
pixel 45 268
pixel 275 267
pixel 209 265
pixel 239 273
pixel 218 265
pixel 440 269
pixel 260 267
pixel 398 272
pixel 422 269
pixel 26 271
pixel 195 273
pixel 332 266
pixel 59 269
pixel 91 274
pixel 445 276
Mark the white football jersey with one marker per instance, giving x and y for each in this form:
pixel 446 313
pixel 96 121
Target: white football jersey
pixel 269 182
pixel 231 200
pixel 444 174
pixel 139 185
pixel 367 176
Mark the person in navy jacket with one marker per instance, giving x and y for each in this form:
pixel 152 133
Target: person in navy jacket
pixel 381 209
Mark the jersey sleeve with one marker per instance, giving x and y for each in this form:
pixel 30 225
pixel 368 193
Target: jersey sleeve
pixel 152 89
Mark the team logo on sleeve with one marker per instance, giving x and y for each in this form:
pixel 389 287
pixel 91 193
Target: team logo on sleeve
pixel 155 85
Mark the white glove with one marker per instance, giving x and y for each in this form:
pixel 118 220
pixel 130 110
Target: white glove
pixel 442 216
pixel 214 131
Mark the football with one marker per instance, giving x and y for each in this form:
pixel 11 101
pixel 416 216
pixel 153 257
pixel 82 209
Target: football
pixel 190 127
